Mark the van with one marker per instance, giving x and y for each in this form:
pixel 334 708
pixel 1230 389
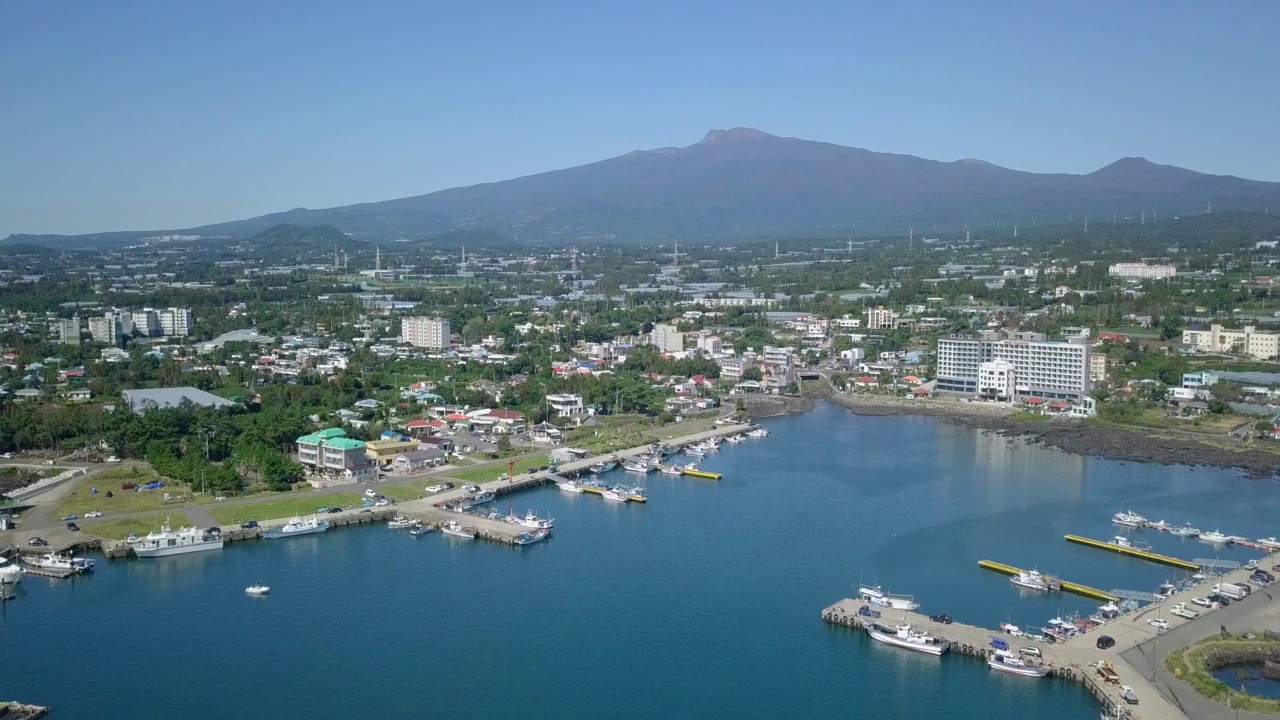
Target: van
pixel 1231 590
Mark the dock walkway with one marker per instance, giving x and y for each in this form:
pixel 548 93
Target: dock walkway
pixel 1134 552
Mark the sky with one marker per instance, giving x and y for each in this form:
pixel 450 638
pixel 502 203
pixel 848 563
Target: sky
pixel 151 114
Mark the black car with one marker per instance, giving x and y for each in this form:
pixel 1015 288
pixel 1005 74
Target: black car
pixel 72 527
pixel 213 531
pixel 37 542
pixel 335 509
pixel 249 524
pixel 448 485
pixel 1106 642
pixel 943 618
pixel 1222 600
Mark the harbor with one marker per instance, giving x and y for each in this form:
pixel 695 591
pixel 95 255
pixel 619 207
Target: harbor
pixel 1066 586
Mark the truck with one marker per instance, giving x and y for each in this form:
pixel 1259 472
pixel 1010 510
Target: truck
pixel 1231 590
pixel 1108 673
pixel 1181 610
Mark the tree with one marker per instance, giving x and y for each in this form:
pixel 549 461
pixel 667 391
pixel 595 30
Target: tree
pixel 1171 327
pixel 753 374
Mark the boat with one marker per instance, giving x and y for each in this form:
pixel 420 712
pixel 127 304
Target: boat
pixel 635 493
pixel 572 486
pixel 1215 537
pixel 637 466
pixel 455 529
pixel 418 529
pixel 531 520
pixel 1006 661
pixel 474 499
pixel 616 495
pixel 526 538
pixel 1167 590
pixel 295 527
pixel 1160 525
pixel 176 542
pixel 1033 580
pixel 670 470
pixel 401 522
pixel 696 450
pixel 1010 629
pixel 877 596
pixel 757 432
pixel 10 573
pixel 1128 519
pixel 1269 543
pixel 1106 613
pixel 603 466
pixel 735 439
pixel 1185 531
pixel 1124 542
pixel 58 561
pixel 257 590
pixel 904 637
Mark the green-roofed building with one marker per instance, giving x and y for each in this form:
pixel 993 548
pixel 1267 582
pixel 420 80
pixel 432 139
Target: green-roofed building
pixel 332 456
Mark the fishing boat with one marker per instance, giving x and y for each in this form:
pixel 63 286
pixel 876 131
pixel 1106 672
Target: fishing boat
pixel 696 450
pixel 531 520
pixel 58 561
pixel 10 573
pixel 168 542
pixel 877 596
pixel 1185 530
pixel 257 590
pixel 904 637
pixel 670 470
pixel 1106 613
pixel 1215 537
pixel 418 530
pixel 1269 543
pixel 603 466
pixel 401 522
pixel 757 432
pixel 455 529
pixel 296 527
pixel 478 498
pixel 635 493
pixel 1124 542
pixel 572 486
pixel 1006 661
pixel 616 495
pixel 1128 519
pixel 1160 525
pixel 1033 580
pixel 526 538
pixel 637 466
pixel 735 439
pixel 1010 629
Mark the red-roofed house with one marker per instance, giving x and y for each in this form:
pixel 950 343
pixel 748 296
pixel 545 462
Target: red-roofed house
pixel 1113 337
pixel 418 427
pixel 866 381
pixel 1059 407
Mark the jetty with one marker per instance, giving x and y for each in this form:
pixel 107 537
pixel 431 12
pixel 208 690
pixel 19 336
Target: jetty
pixel 693 472
pixel 1067 586
pixel 1134 552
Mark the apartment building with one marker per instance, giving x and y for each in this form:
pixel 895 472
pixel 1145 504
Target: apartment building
pixel 109 328
pixel 566 404
pixel 69 331
pixel 1246 341
pixel 1142 271
pixel 732 368
pixel 668 338
pixel 431 333
pixel 145 322
pixel 176 322
pixel 332 454
pixel 1040 368
pixel 881 318
pixel 777 355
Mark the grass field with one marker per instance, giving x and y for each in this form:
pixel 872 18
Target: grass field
pixel 282 508
pixel 491 472
pixel 120 529
pixel 82 499
pixel 400 493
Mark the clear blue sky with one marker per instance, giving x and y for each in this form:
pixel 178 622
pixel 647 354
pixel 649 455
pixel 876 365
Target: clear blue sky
pixel 148 114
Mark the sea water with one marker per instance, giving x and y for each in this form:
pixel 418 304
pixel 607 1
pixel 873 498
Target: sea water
pixel 703 603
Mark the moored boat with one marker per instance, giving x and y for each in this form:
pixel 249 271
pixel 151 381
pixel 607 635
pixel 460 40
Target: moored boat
pixel 401 522
pixel 616 495
pixel 529 538
pixel 1006 661
pixel 455 529
pixel 1034 580
pixel 10 573
pixel 295 527
pixel 531 520
pixel 1215 537
pixel 603 466
pixel 1269 543
pixel 904 637
pixel 1128 519
pixel 1160 525
pixel 59 561
pixel 1184 530
pixel 670 470
pixel 572 486
pixel 418 530
pixel 168 542
pixel 877 596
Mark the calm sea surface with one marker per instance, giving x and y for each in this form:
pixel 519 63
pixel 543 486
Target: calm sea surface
pixel 704 603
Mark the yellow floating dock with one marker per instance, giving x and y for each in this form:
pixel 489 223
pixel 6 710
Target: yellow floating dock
pixel 700 474
pixel 1134 552
pixel 600 491
pixel 1071 587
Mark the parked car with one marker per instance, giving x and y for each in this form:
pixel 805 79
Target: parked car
pixel 322 511
pixel 113 459
pixel 435 488
pixel 249 524
pixel 335 509
pixel 1222 600
pixel 7 456
pixel 368 492
pixel 1106 642
pixel 1202 602
pixel 943 618
pixel 37 542
pixel 93 514
pixel 1158 623
pixel 1128 694
pixel 381 503
pixel 73 527
pixel 70 516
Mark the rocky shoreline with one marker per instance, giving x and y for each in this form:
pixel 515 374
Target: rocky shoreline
pixel 1080 438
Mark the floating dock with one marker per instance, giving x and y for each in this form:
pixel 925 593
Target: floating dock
pixel 700 474
pixel 1067 586
pixel 21 711
pixel 1135 552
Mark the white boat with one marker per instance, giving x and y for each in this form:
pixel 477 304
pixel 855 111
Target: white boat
pixel 616 495
pixel 257 590
pixel 696 450
pixel 1011 629
pixel 58 561
pixel 176 542
pixel 1215 537
pixel 670 470
pixel 1128 519
pixel 418 530
pixel 572 486
pixel 757 432
pixel 1005 661
pixel 1269 543
pixel 455 529
pixel 603 466
pixel 531 520
pixel 1033 580
pixel 877 596
pixel 474 499
pixel 1106 613
pixel 734 439
pixel 904 637
pixel 295 527
pixel 637 466
pixel 401 522
pixel 10 573
pixel 526 538
pixel 1160 525
pixel 1124 542
pixel 1185 531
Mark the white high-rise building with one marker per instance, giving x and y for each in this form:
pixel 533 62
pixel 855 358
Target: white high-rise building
pixel 69 331
pixel 668 338
pixel 109 328
pixel 996 379
pixel 425 332
pixel 1142 271
pixel 176 322
pixel 1246 341
pixel 146 322
pixel 881 318
pixel 1040 368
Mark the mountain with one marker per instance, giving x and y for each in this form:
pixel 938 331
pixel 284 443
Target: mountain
pixel 744 183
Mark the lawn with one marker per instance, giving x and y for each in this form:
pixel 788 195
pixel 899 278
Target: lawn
pixel 120 529
pixel 82 499
pixel 491 472
pixel 401 493
pixel 282 508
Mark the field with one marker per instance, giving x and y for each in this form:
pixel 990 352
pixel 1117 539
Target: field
pixel 401 493
pixel 491 472
pixel 82 499
pixel 120 529
pixel 283 508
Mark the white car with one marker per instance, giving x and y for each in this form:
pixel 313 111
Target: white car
pixel 1203 602
pixel 435 488
pixel 381 503
pixel 1159 623
pixel 113 459
pixel 368 492
pixel 93 514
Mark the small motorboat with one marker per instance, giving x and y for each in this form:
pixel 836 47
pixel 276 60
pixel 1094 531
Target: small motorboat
pixel 419 530
pixel 400 522
pixel 257 590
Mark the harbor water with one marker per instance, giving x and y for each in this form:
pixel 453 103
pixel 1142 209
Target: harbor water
pixel 702 603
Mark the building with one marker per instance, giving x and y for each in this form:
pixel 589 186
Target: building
pixel 149 399
pixel 1041 368
pixel 385 450
pixel 566 404
pixel 1247 341
pixel 732 368
pixel 176 322
pixel 996 380
pixel 668 338
pixel 418 460
pixel 777 355
pixel 1097 368
pixel 69 331
pixel 1142 271
pixel 109 328
pixel 710 344
pixel 145 322
pixel 881 318
pixel 331 453
pixel 425 332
